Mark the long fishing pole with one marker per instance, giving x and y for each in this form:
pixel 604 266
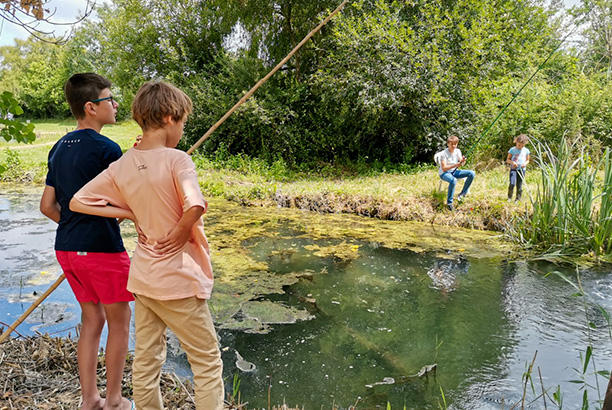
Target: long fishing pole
pixel 61 278
pixel 524 85
pixel 263 80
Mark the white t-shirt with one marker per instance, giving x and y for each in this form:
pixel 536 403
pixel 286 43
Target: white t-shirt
pixel 450 159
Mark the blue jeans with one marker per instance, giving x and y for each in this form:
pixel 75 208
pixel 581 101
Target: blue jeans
pixel 452 177
pixel 517 176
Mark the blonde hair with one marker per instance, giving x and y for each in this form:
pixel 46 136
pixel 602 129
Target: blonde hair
pixel 452 138
pixel 522 138
pixel 155 101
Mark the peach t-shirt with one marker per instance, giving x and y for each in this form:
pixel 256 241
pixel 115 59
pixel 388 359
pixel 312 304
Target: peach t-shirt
pixel 158 185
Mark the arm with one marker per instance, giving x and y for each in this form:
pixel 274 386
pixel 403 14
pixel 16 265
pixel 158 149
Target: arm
pixel 181 233
pixel 509 161
pixel 48 204
pixel 446 168
pixel 526 161
pixel 101 210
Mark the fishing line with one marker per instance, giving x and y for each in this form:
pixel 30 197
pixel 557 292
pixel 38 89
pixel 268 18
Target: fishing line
pixel 524 85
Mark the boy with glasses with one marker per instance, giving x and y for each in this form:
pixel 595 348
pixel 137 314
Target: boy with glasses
pixel 89 248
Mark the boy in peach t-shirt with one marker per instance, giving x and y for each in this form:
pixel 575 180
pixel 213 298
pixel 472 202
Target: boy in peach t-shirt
pixel 171 278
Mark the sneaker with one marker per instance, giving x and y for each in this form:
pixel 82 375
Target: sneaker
pixel 461 198
pixel 450 207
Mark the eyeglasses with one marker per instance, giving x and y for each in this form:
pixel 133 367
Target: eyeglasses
pixel 104 99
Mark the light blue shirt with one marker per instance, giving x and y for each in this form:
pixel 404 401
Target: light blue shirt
pixel 519 155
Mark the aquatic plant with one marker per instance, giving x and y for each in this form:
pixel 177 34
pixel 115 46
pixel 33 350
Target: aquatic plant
pixel 571 208
pixel 587 358
pixel 233 398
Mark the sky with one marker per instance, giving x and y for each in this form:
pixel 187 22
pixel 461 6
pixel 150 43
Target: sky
pixel 65 11
pixel 69 10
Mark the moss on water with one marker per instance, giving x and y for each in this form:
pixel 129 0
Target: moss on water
pixel 241 278
pixel 256 316
pixel 243 274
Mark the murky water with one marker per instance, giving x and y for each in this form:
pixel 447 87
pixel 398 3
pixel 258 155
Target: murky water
pixel 373 317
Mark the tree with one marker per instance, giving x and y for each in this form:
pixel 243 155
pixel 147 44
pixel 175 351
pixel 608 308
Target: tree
pixel 29 14
pixel 597 35
pixel 399 77
pixel 276 27
pixel 13 128
pixel 33 71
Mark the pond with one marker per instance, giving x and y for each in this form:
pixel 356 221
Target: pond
pixel 327 310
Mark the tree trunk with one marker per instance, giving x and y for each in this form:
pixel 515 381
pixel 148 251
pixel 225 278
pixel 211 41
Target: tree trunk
pixel 607 404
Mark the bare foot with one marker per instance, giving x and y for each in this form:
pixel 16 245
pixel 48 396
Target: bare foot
pixel 93 405
pixel 124 404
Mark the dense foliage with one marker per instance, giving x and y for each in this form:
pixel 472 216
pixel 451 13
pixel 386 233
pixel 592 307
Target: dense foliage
pixel 572 204
pixel 383 84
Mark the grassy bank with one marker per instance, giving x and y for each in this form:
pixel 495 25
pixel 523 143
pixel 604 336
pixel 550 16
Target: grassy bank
pixel 415 195
pixel 410 194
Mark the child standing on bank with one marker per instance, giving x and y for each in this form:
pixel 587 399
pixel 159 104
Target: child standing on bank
pixel 89 248
pixel 171 277
pixel 518 158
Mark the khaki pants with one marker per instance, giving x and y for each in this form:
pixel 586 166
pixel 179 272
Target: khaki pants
pixel 190 320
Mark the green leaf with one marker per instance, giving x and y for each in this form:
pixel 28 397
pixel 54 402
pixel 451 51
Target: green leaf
pixel 605 313
pixel 568 280
pixel 587 359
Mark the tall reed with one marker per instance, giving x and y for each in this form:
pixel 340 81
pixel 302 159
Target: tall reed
pixel 572 209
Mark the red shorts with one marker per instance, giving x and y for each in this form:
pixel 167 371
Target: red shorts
pixel 96 276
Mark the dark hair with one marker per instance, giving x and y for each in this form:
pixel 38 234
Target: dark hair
pixel 156 100
pixel 83 87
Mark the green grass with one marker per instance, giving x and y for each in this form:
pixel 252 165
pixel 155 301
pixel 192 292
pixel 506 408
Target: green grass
pixel 28 162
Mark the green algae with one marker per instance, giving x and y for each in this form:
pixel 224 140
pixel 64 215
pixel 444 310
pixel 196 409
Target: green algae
pixel 256 316
pixel 250 223
pixel 242 278
pixel 273 313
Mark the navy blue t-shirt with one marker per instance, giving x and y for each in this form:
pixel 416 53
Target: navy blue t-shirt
pixel 74 160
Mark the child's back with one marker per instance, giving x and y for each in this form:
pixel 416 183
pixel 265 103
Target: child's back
pixel 74 160
pixel 158 185
pixel 170 276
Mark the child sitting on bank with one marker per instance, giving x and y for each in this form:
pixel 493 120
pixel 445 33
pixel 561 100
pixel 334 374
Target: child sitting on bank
pixel 449 161
pixel 518 158
pixel 156 186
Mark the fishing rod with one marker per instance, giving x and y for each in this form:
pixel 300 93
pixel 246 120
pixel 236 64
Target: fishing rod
pixel 515 95
pixel 61 278
pixel 263 80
